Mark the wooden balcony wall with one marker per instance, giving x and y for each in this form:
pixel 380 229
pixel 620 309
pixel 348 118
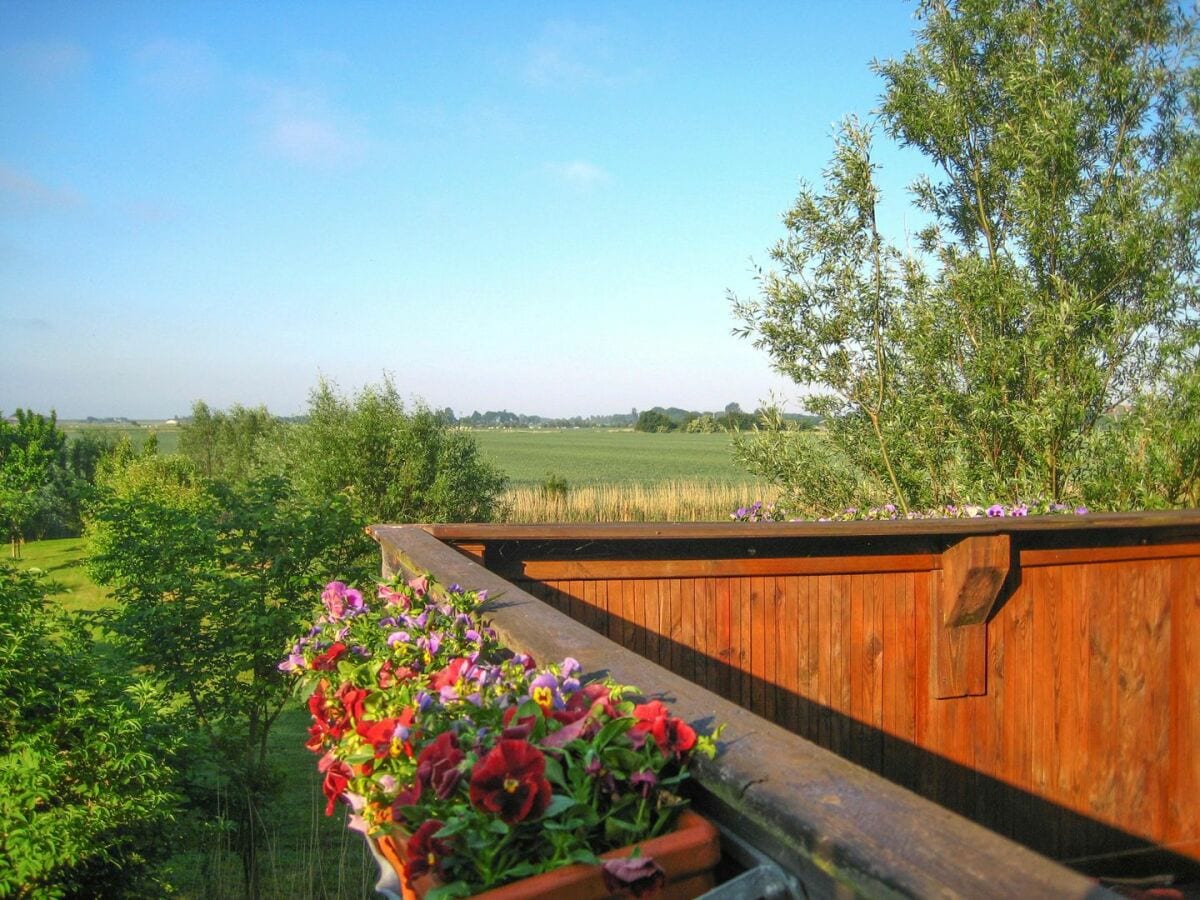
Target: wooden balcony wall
pixel 1039 676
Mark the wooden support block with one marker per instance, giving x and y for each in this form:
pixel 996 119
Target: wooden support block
pixel 973 573
pixel 474 550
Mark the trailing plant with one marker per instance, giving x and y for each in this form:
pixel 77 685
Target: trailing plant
pixel 498 768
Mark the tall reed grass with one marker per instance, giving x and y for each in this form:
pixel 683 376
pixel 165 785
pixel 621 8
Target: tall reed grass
pixel 668 501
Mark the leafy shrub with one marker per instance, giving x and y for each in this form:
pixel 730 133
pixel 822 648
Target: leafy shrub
pixel 394 464
pixel 86 786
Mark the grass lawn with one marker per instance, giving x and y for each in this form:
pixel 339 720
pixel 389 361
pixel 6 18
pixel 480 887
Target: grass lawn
pixel 61 561
pixel 595 456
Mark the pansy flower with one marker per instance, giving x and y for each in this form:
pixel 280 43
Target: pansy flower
pixel 426 853
pixel 670 735
pixel 510 781
pixel 636 875
pixel 438 765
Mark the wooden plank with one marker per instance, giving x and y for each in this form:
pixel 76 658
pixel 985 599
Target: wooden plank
pixel 734 659
pixel 1108 612
pixel 770 642
pixel 687 629
pixel 856 674
pixel 547 569
pixel 1141 760
pixel 1049 682
pixel 973 572
pixel 927 733
pixel 873 646
pixel 812 670
pixel 1183 812
pixel 1073 556
pixel 651 620
pixel 826 675
pixel 746 697
pixel 637 621
pixel 788 679
pixel 842 664
pixel 724 650
pixel 757 646
pixel 700 612
pixel 1069 767
pixel 620 603
pixel 815 812
pixel 676 630
pixel 1018 726
pixel 473 549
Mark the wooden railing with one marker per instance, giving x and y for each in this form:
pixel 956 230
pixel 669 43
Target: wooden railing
pixel 1040 676
pixel 835 826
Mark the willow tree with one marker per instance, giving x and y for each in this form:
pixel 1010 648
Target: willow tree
pixel 1053 282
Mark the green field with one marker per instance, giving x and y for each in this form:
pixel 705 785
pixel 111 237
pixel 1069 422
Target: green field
pixel 593 456
pixel 168 435
pixel 583 456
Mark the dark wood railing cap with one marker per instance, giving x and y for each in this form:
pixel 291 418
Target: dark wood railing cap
pixel 1177 519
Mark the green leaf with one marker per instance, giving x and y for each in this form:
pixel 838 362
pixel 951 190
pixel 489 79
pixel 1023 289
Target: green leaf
pixel 558 805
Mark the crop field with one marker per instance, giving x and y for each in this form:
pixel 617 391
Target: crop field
pixel 589 456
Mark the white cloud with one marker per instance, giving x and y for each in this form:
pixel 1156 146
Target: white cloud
pixel 47 62
pixel 567 54
pixel 30 193
pixel 578 173
pixel 177 67
pixel 300 126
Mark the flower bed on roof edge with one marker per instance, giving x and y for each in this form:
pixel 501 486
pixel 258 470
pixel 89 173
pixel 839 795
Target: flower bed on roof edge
pixel 495 768
pixel 771 512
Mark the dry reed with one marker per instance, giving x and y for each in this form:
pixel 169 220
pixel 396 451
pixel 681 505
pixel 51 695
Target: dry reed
pixel 668 501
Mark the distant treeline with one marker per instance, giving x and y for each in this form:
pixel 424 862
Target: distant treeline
pixel 670 418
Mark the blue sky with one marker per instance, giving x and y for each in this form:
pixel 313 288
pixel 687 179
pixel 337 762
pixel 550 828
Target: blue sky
pixel 537 207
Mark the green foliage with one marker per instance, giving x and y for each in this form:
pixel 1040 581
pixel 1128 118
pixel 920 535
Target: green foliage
pixel 211 577
pixel 86 786
pixel 655 422
pixel 1057 271
pixel 230 445
pixel 555 487
pixel 704 424
pixel 394 464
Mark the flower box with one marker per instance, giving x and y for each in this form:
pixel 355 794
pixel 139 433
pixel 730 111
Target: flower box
pixel 688 856
pixel 496 770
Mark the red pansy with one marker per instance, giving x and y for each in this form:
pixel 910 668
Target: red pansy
pixel 352 699
pixel 382 734
pixel 450 675
pixel 511 782
pixel 669 735
pixel 327 661
pixel 437 765
pixel 337 776
pixel 426 853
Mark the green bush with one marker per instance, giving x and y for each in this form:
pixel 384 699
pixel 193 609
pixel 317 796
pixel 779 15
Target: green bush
pixel 86 786
pixel 395 464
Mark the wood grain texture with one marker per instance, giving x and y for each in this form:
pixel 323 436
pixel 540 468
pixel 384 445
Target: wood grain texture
pixel 1079 735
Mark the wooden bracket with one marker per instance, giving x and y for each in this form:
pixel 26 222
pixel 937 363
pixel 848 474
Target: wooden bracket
pixel 973 573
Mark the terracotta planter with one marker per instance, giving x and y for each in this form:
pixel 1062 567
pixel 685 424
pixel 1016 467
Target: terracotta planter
pixel 689 854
